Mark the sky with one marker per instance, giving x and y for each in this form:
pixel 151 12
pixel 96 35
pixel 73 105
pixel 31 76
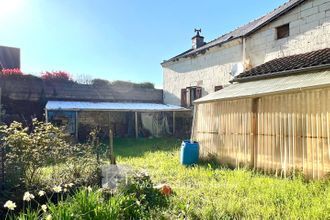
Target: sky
pixel 116 40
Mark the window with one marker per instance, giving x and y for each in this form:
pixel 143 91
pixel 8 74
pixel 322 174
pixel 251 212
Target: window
pixel 283 31
pixel 189 95
pixel 217 88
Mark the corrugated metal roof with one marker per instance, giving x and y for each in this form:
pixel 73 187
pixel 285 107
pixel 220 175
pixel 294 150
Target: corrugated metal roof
pixel 244 30
pixel 110 106
pixel 270 86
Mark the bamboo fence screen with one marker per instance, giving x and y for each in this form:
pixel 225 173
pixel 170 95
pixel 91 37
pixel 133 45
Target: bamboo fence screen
pixel 275 133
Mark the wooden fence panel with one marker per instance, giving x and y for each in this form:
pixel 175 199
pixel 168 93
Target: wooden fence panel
pixel 225 131
pixel 292 132
pixel 300 135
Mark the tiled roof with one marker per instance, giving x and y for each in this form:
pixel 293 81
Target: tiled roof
pixel 244 30
pixel 289 64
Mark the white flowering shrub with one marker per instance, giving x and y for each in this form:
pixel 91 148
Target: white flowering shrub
pixel 28 151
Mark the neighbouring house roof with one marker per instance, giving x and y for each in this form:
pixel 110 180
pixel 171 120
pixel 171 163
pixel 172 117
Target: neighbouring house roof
pixel 242 31
pixel 264 87
pixel 111 106
pixel 288 65
pixel 9 58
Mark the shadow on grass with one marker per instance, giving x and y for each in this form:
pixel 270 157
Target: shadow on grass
pixel 131 147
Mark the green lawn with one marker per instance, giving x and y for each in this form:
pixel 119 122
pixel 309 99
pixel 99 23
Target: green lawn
pixel 208 191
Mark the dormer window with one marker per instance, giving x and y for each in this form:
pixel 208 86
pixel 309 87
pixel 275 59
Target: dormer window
pixel 283 31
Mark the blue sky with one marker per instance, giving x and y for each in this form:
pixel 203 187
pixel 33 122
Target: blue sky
pixel 116 40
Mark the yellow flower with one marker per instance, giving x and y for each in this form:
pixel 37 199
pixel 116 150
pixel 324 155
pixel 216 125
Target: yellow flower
pixel 49 217
pixel 44 208
pixel 65 190
pixel 57 189
pixel 41 193
pixel 10 205
pixel 28 196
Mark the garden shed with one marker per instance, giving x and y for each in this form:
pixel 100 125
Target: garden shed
pixel 274 117
pixel 125 119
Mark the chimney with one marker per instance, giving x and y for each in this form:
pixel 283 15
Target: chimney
pixel 197 40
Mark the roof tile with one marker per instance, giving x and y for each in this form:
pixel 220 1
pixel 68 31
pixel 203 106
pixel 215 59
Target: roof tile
pixel 289 63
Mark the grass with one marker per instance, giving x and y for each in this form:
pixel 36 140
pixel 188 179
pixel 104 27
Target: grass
pixel 209 191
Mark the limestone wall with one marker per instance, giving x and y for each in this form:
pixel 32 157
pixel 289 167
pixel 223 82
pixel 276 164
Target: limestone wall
pixel 309 30
pixel 207 71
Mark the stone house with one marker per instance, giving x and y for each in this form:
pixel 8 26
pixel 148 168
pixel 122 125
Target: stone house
pixel 298 26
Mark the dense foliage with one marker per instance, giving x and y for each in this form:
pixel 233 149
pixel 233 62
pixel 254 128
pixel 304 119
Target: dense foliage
pixel 145 85
pixel 122 84
pixel 32 153
pixel 28 151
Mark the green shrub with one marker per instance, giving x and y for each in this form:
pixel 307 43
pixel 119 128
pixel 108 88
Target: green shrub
pixel 100 82
pixel 43 157
pixel 28 151
pixel 140 187
pixel 122 84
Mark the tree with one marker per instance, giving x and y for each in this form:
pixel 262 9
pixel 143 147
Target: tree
pixel 84 79
pixel 100 82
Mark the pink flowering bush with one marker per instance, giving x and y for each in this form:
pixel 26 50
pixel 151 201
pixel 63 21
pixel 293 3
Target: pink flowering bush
pixel 56 76
pixel 11 72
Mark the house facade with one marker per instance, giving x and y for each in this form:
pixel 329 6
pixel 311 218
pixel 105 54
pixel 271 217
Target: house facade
pixel 298 26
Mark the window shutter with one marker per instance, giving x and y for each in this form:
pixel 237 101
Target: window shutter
pixel 198 92
pixel 183 97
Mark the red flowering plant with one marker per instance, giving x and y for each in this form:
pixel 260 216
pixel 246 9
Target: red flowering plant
pixel 11 72
pixel 56 76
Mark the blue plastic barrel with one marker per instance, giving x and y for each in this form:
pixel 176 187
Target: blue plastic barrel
pixel 189 152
